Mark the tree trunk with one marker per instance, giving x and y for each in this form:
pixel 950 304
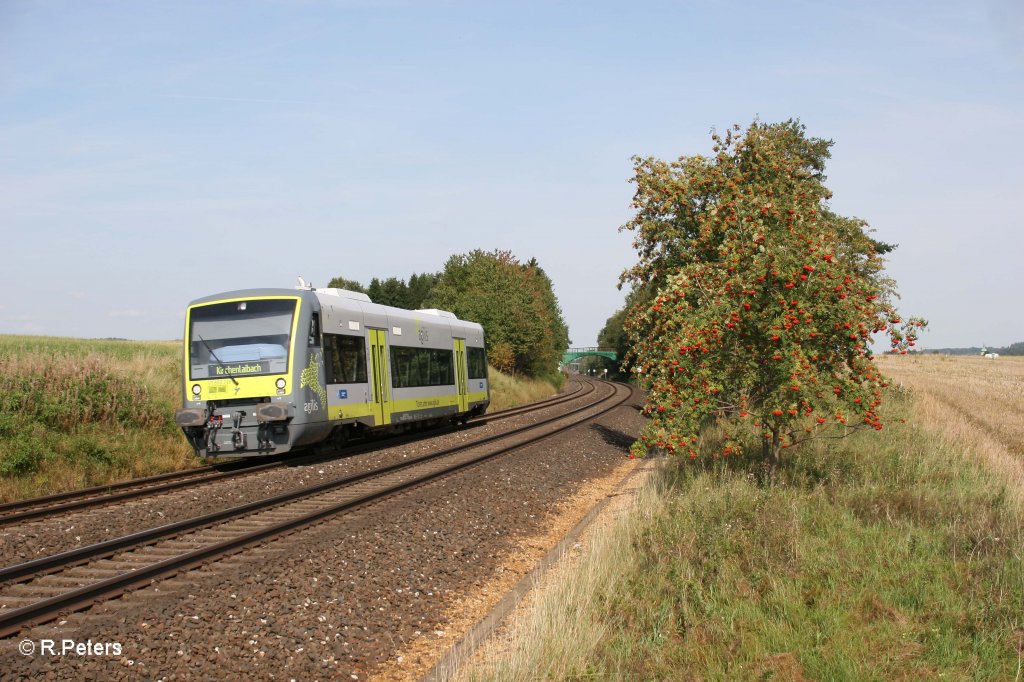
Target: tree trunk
pixel 770 450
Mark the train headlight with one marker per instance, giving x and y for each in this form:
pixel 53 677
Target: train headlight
pixel 280 383
pixel 196 389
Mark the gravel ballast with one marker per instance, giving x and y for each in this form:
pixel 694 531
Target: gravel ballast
pixel 378 591
pixel 67 531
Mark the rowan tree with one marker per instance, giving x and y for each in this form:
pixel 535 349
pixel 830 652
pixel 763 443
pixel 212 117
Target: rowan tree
pixel 766 299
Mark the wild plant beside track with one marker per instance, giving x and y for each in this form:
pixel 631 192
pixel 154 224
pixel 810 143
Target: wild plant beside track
pixel 508 391
pixel 76 413
pixel 883 556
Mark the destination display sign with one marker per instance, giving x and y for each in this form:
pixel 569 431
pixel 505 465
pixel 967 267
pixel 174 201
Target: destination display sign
pixel 233 368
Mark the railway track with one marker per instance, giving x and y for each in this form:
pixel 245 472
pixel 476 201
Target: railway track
pixel 27 510
pixel 42 589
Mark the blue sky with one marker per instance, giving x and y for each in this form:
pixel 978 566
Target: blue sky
pixel 151 153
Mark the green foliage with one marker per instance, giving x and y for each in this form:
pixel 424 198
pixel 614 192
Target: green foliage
pixel 419 288
pixel 613 335
pixel 79 412
pixel 508 391
pixel 349 284
pixel 1012 349
pixel 21 457
pixel 515 303
pixel 765 298
pixel 88 393
pixel 887 556
pixel 865 569
pixel 393 291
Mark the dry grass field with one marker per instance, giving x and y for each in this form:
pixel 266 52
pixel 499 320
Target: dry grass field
pixel 508 391
pixel 892 555
pixel 76 413
pixel 975 402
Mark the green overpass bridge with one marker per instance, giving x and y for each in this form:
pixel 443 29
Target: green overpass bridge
pixel 574 354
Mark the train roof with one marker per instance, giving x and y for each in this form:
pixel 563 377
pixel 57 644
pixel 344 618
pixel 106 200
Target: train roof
pixel 343 299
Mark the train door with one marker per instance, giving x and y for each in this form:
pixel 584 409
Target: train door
pixel 379 367
pixel 460 374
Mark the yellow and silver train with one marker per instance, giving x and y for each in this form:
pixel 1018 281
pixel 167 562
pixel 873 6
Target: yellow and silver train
pixel 267 370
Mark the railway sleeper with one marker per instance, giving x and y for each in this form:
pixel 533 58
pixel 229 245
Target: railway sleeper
pixel 127 561
pixel 278 517
pixel 104 564
pixel 9 603
pixel 130 562
pixel 101 573
pixel 303 506
pixel 158 552
pixel 248 525
pixel 183 545
pixel 35 590
pixel 62 581
pixel 212 536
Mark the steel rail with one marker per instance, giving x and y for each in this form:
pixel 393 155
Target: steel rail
pixel 27 510
pixel 46 609
pixel 109 547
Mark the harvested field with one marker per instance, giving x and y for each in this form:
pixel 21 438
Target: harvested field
pixel 975 402
pixel 885 555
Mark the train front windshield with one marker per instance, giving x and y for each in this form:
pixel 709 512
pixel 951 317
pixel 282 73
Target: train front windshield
pixel 240 338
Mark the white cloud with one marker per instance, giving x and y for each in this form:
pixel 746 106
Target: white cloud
pixel 130 312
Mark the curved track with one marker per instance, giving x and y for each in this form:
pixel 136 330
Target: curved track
pixel 42 589
pixel 36 508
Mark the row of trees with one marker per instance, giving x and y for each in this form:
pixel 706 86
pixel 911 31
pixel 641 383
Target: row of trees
pixel 613 335
pixel 393 291
pixel 753 304
pixel 1013 349
pixel 514 301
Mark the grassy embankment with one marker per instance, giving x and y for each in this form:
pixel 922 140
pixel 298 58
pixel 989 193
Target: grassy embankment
pixel 891 555
pixel 508 391
pixel 76 412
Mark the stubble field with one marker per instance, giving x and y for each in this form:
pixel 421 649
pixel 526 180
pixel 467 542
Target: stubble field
pixel 974 402
pixel 886 555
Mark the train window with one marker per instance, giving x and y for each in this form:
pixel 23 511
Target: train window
pixel 412 367
pixel 476 359
pixel 240 338
pixel 345 359
pixel 314 330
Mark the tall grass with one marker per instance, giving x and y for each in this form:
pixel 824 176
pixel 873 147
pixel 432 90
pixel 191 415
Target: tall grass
pixel 80 412
pixel 884 556
pixel 76 412
pixel 508 391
